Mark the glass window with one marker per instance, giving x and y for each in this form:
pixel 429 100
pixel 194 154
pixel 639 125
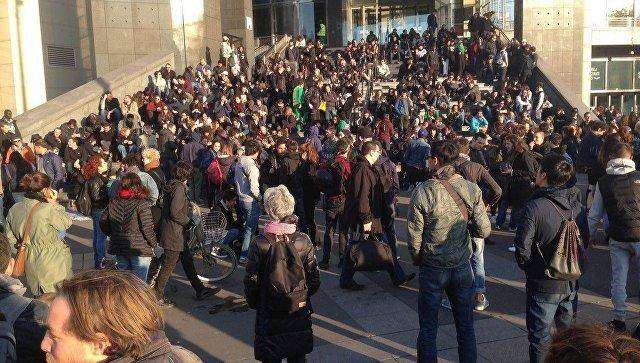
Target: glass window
pixel 261 21
pixel 597 75
pixel 627 103
pixel 601 100
pixel 619 74
pixel 616 100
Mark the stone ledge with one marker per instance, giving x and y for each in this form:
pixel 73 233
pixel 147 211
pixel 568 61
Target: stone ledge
pixel 73 104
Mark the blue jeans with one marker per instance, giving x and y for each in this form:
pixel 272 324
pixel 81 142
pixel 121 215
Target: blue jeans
pixel 99 248
pixel 457 283
pixel 139 265
pixel 623 254
pixel 477 265
pixel 251 213
pixel 542 310
pixel 232 236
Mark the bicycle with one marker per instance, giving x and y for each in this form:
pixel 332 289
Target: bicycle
pixel 214 261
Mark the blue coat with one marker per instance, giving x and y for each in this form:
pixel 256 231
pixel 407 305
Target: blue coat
pixel 417 152
pixel 52 165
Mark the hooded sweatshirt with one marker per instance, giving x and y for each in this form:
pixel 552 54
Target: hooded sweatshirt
pixel 597 212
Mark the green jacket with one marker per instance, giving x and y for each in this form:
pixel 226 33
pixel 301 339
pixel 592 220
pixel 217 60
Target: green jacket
pixel 48 258
pixel 438 234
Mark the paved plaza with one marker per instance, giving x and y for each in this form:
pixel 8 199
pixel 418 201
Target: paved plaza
pixel 379 323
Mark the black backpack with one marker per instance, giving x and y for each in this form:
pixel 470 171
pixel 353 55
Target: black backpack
pixel 565 252
pixel 285 287
pixel 83 200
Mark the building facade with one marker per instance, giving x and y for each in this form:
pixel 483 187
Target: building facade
pixel 52 46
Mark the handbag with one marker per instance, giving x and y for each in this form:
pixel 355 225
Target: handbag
pixel 370 254
pixel 21 256
pixel 474 231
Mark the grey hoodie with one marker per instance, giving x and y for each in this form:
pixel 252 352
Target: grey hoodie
pixel 246 179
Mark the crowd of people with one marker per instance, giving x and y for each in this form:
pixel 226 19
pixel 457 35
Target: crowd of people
pixel 467 132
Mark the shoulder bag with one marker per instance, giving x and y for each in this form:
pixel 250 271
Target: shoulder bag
pixel 21 246
pixel 471 226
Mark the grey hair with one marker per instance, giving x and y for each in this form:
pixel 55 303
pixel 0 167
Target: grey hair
pixel 278 202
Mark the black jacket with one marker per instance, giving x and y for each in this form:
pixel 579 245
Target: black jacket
pixel 476 173
pixel 175 216
pixel 290 172
pixel 276 337
pixel 521 184
pixel 365 197
pixel 540 225
pixel 130 227
pixel 97 187
pixel 620 200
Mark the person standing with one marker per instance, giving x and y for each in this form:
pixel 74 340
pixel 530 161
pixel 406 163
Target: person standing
pixel 444 211
pixel 246 176
pixel 543 217
pixel 615 201
pixel 94 174
pixel 282 332
pixel 364 211
pixel 128 222
pixel 334 205
pixel 477 174
pixel 48 258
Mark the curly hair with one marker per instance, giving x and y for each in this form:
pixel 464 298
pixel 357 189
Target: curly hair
pixel 90 168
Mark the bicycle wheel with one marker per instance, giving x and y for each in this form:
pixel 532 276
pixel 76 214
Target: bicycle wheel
pixel 215 262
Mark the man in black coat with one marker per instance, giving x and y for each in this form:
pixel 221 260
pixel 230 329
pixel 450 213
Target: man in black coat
pixel 364 210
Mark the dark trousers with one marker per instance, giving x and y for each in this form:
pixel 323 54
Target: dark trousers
pixel 296 359
pixel 310 227
pixel 389 236
pixel 334 220
pixel 169 261
pixel 457 283
pixel 543 309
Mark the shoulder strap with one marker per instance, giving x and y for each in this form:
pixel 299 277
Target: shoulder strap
pixel 456 198
pixel 13 306
pixel 27 226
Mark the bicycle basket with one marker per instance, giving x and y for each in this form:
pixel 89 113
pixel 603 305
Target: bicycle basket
pixel 214 226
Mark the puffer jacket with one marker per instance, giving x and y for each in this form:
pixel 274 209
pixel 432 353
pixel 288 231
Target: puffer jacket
pixel 129 224
pixel 438 233
pixel 279 337
pixel 175 216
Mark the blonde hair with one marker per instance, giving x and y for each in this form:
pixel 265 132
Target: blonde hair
pixel 149 155
pixel 114 303
pixel 278 202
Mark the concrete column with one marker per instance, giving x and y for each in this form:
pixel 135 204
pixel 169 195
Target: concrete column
pixel 237 20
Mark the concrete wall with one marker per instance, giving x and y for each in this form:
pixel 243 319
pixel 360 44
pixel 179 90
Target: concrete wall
pixel 125 30
pixel 561 34
pixel 82 101
pixel 234 22
pixel 65 23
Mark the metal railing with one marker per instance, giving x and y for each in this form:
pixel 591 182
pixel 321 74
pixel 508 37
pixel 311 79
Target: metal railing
pixel 622 21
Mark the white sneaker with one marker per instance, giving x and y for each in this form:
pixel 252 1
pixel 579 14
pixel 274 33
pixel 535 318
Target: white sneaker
pixel 512 248
pixel 482 304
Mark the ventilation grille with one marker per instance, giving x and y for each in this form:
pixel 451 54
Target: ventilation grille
pixel 61 56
